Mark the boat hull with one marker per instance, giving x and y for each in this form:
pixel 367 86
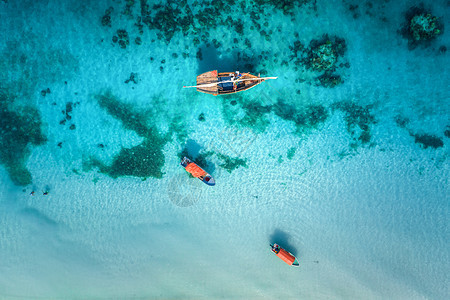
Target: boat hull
pixel 284 255
pixel 197 172
pixel 226 88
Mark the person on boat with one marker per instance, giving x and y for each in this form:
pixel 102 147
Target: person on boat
pixel 276 248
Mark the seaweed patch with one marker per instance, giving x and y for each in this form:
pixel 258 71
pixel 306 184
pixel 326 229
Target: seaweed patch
pixel 20 128
pixel 231 163
pixel 291 153
pixel 358 120
pixel 428 140
pixel 305 119
pixel 144 160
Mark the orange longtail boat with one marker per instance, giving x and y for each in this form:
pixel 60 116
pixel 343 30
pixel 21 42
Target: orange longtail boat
pixel 284 255
pixel 197 172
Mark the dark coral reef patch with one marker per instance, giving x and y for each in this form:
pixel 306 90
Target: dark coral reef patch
pixel 231 163
pixel 428 140
pixel 420 27
pixel 305 119
pixel 20 129
pixel 358 120
pixel 144 160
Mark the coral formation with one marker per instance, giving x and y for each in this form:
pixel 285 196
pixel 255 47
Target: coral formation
pixel 133 78
pixel 420 27
pixel 424 27
pixel 286 6
pixel 323 54
pixel 106 19
pixel 122 38
pixel 128 8
pixel 328 79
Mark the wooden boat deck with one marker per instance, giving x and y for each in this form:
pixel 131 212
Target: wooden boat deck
pixel 205 78
pixel 219 89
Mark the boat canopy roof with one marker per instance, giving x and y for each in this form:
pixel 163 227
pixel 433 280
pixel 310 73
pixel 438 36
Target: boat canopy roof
pixel 195 170
pixel 286 256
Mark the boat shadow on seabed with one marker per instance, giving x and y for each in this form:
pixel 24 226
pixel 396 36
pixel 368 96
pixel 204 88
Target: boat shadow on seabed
pixel 282 238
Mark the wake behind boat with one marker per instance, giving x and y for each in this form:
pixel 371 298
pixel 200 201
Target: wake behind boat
pixel 284 255
pixel 215 83
pixel 196 171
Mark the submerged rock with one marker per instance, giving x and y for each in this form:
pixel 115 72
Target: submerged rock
pixel 106 19
pixel 447 132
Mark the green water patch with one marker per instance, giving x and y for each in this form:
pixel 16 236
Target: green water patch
pixel 144 160
pixel 428 140
pixel 31 61
pixel 179 127
pixel 20 130
pixel 305 119
pixel 358 120
pixel 239 111
pixel 255 116
pixel 286 6
pixel 131 119
pixel 401 121
pixel 291 153
pixel 231 163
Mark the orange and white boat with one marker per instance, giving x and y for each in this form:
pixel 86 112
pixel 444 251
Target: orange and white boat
pixel 222 83
pixel 197 172
pixel 284 255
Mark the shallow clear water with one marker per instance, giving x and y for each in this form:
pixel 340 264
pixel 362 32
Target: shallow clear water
pixel 343 162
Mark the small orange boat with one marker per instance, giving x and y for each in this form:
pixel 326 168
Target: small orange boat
pixel 284 255
pixel 197 172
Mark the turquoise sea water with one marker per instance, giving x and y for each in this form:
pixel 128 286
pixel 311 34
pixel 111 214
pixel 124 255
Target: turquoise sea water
pixel 343 161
